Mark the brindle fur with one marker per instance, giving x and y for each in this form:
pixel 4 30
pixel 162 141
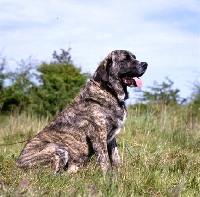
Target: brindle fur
pixel 90 123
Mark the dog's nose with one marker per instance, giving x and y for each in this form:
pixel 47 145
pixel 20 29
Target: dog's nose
pixel 144 65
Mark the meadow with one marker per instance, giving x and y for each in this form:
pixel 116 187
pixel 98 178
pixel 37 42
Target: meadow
pixel 159 147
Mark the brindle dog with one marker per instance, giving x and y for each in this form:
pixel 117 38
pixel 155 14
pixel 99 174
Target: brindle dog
pixel 89 124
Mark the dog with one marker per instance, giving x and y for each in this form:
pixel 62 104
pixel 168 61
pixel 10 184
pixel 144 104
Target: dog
pixel 90 124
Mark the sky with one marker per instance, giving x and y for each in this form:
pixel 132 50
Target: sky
pixel 165 34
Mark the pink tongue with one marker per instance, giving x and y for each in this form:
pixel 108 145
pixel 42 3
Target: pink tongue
pixel 138 82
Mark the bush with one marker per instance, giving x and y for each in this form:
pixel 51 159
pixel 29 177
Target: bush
pixel 45 89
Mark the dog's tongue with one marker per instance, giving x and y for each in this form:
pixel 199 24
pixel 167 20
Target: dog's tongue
pixel 138 81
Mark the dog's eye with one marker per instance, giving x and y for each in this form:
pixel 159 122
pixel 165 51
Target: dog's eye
pixel 127 57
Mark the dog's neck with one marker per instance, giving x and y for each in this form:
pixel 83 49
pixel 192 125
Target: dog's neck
pixel 105 86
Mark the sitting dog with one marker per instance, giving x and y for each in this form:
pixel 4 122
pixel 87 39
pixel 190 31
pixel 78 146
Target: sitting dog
pixel 89 124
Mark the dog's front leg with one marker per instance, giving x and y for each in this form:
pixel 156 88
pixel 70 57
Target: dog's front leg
pixel 99 145
pixel 113 153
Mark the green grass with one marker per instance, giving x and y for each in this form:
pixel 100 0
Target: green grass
pixel 160 150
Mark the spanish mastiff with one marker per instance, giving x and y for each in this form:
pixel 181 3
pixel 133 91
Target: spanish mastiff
pixel 89 124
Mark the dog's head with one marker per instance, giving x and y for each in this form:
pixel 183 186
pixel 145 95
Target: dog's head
pixel 120 69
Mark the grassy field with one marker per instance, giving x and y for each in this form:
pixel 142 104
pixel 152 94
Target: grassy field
pixel 160 150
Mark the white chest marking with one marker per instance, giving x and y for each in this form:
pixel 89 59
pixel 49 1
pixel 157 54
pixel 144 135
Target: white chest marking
pixel 119 126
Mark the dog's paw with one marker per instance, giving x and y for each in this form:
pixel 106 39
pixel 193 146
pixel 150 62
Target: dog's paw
pixel 117 163
pixel 105 168
pixel 72 169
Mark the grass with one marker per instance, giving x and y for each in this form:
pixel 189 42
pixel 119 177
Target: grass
pixel 159 146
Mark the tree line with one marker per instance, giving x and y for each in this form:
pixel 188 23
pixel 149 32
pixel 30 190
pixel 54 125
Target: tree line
pixel 46 88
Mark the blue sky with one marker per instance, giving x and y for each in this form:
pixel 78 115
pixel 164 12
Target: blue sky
pixel 166 34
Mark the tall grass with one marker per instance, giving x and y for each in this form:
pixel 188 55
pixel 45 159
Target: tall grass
pixel 159 146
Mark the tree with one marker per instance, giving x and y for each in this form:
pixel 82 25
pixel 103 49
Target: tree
pixel 60 82
pixel 195 100
pixel 16 96
pixel 64 57
pixel 162 93
pixel 2 75
pixel 44 89
pixel 2 78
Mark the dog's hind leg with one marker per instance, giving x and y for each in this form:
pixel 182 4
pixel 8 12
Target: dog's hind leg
pixel 51 153
pixel 61 158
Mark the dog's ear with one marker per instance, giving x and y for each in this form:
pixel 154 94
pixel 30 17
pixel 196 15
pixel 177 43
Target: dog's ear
pixel 115 73
pixel 109 71
pixel 102 71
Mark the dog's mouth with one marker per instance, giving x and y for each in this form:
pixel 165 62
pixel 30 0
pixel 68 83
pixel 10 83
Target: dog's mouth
pixel 132 81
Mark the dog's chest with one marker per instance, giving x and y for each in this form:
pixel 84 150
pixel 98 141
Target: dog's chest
pixel 120 123
pixel 120 120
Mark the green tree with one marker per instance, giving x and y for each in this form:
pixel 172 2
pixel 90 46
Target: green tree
pixel 64 57
pixel 2 78
pixel 2 75
pixel 162 93
pixel 194 105
pixel 60 81
pixel 16 95
pixel 45 89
